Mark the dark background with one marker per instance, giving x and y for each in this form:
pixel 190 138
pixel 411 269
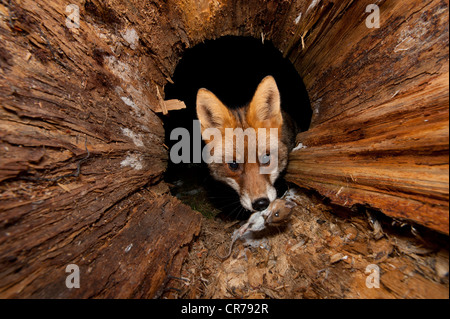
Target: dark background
pixel 232 68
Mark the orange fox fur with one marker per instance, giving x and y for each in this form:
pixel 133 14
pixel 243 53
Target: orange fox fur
pixel 256 190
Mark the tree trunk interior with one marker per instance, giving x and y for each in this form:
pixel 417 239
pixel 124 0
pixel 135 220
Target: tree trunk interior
pixel 82 152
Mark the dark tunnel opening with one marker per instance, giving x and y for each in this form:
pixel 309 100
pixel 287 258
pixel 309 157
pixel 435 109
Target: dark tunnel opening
pixel 231 67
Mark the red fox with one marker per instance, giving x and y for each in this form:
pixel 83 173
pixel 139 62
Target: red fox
pixel 256 190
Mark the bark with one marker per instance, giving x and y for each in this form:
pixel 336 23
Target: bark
pixel 82 158
pixel 379 134
pixel 82 151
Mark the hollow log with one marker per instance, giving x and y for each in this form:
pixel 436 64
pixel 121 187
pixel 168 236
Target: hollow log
pixel 82 151
pixel 379 134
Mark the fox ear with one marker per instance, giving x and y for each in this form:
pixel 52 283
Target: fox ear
pixel 211 112
pixel 264 109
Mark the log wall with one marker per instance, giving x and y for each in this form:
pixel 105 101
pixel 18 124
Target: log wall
pixel 82 151
pixel 379 134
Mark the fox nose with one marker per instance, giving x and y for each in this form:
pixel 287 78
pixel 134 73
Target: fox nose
pixel 260 204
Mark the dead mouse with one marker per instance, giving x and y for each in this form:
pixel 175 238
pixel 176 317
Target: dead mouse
pixel 279 212
pixel 256 222
pixel 236 236
pixel 276 214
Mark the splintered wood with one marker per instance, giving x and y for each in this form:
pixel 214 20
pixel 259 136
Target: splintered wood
pixel 136 244
pixel 380 129
pixel 61 91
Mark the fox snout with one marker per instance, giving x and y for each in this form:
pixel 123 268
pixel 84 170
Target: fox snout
pixel 258 202
pixel 261 204
pixel 256 190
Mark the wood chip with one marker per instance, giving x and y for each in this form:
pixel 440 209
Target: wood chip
pixel 337 257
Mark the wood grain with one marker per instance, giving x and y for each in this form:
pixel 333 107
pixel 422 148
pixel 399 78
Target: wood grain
pixel 82 98
pixel 379 134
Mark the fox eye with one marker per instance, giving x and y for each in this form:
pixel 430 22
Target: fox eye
pixel 277 214
pixel 265 160
pixel 233 166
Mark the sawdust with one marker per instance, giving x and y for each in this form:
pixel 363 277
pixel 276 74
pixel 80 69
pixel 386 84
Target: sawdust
pixel 325 252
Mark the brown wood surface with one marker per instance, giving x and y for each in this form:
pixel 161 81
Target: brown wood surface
pixel 86 98
pixel 126 251
pixel 379 134
pixel 82 98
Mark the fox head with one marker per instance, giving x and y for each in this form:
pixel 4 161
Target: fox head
pixel 235 166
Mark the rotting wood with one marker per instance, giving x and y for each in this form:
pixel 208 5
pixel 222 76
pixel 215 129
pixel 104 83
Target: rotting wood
pixel 326 251
pixel 379 134
pixel 162 103
pixel 62 91
pixel 172 105
pixel 380 98
pixel 125 251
